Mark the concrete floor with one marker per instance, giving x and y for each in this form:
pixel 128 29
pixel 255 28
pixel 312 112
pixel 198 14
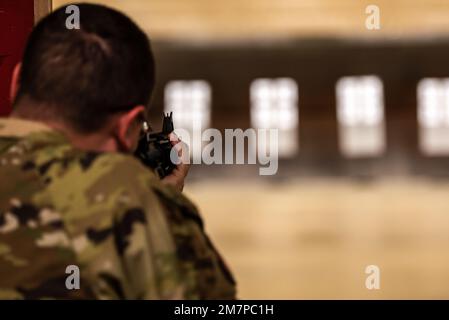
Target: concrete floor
pixel 313 238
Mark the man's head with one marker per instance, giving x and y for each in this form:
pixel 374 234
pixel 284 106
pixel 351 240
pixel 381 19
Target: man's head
pixel 98 78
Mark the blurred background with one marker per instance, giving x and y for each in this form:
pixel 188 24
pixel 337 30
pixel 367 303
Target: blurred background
pixel 360 95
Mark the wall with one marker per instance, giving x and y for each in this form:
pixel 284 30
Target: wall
pixel 16 22
pixel 316 65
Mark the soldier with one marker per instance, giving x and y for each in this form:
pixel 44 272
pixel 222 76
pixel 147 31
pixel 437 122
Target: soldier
pixel 72 196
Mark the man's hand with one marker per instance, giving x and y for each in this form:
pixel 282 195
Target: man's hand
pixel 177 176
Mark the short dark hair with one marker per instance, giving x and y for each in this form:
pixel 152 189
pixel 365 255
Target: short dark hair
pixel 82 76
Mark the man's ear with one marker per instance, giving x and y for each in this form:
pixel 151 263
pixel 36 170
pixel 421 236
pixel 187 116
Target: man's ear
pixel 128 128
pixel 15 82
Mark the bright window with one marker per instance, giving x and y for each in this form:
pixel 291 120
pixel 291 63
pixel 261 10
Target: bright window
pixel 274 105
pixel 360 114
pixel 433 116
pixel 190 101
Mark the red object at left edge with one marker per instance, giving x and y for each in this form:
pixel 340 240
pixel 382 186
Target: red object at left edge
pixel 16 23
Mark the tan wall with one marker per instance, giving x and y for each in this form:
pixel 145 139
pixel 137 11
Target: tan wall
pixel 216 19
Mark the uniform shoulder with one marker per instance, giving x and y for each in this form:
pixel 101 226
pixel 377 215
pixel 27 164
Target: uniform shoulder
pixel 83 184
pixel 112 172
pixel 121 166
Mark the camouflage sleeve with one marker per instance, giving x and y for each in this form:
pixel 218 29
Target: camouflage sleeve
pixel 160 249
pixel 205 273
pixel 148 252
pixel 162 252
pixel 134 256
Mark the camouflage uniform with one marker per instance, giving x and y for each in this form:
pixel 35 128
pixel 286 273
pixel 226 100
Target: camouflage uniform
pixel 130 236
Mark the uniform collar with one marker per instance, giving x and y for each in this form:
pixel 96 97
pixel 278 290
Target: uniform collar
pixel 33 133
pixel 17 128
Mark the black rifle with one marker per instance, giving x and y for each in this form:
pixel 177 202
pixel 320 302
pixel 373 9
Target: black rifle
pixel 154 148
